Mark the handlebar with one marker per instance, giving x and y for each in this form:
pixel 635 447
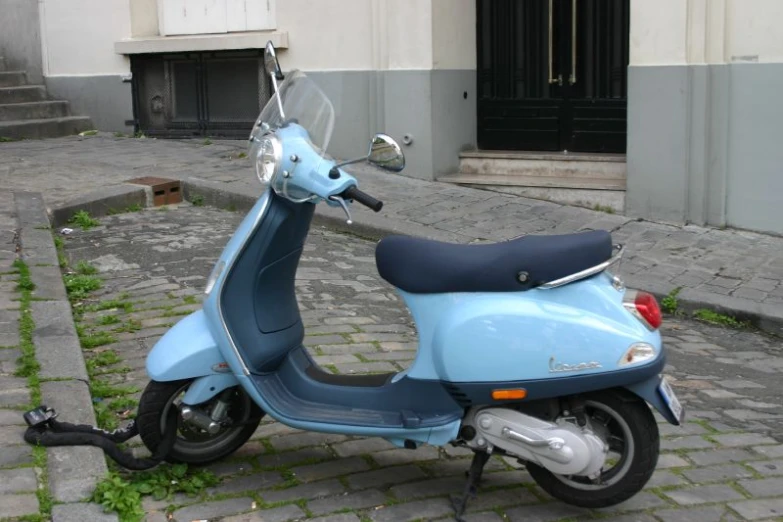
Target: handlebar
pixel 363 198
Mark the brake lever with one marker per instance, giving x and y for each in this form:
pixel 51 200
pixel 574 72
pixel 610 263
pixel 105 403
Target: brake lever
pixel 340 201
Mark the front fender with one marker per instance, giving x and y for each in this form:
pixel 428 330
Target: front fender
pixel 186 351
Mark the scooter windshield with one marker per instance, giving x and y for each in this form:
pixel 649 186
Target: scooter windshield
pixel 303 102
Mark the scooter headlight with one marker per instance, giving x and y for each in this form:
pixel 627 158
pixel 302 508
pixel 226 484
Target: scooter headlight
pixel 268 158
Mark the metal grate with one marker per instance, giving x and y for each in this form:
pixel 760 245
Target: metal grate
pixel 198 94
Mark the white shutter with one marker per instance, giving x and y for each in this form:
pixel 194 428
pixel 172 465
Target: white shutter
pixel 215 16
pixel 191 16
pixel 260 15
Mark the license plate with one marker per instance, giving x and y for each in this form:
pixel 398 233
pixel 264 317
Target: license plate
pixel 671 400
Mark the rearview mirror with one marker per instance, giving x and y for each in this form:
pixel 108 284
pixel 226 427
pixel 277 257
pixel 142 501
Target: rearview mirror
pixel 271 65
pixel 386 153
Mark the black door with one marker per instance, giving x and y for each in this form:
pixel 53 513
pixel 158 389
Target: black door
pixel 552 74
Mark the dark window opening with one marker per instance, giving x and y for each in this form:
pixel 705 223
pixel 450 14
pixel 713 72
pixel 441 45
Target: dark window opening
pixel 199 94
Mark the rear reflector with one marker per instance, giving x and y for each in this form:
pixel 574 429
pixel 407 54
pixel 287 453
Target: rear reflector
pixel 505 395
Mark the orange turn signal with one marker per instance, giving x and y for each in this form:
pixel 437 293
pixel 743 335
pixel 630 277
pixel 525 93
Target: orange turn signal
pixel 504 395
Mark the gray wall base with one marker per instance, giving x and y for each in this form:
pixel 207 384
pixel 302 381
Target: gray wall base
pixel 703 145
pixel 106 99
pixel 435 108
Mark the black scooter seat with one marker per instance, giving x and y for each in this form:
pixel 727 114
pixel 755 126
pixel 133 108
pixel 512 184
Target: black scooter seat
pixel 423 266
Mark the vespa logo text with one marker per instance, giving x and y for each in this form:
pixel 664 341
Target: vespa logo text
pixel 557 367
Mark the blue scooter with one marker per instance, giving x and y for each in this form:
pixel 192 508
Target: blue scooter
pixel 527 348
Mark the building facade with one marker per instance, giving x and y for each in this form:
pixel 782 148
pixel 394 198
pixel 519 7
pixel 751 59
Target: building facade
pixel 682 93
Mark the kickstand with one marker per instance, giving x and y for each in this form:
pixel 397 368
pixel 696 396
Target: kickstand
pixel 460 504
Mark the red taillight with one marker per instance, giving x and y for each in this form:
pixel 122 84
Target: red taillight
pixel 648 308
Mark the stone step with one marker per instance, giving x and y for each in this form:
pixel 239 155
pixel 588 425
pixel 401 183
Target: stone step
pixel 33 110
pixel 44 128
pixel 595 193
pixel 518 180
pixel 26 93
pixel 2 63
pixel 547 165
pixel 12 78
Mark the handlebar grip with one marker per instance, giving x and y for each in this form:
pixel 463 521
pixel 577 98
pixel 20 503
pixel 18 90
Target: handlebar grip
pixel 363 198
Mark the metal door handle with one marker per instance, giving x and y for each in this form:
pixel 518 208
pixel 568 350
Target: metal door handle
pixel 552 79
pixel 572 78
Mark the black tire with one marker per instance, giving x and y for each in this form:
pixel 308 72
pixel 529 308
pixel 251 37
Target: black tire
pixel 158 397
pixel 631 472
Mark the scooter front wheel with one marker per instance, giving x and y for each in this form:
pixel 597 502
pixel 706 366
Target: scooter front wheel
pixel 195 445
pixel 627 425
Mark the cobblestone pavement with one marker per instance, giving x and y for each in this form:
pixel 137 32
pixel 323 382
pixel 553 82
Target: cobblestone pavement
pixel 20 470
pixel 725 464
pixel 740 271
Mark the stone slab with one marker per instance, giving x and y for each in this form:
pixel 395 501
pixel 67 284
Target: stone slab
pixel 60 357
pixel 18 505
pixel 81 513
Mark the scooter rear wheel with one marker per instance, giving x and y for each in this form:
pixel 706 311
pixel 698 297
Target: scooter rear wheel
pixel 628 426
pixel 194 445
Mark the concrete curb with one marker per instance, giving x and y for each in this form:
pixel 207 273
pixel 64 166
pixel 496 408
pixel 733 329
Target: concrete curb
pixel 101 202
pixel 73 470
pixel 374 226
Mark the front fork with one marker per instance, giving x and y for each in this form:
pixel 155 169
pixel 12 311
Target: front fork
pixel 206 387
pixel 213 421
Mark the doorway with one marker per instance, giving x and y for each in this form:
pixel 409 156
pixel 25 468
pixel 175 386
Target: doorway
pixel 553 75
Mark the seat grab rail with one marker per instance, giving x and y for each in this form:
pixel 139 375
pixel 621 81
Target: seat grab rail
pixel 617 254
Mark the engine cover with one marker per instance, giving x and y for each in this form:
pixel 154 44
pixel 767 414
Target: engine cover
pixel 563 448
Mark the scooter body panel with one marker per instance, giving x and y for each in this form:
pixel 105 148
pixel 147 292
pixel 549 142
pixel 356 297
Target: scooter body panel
pixel 577 329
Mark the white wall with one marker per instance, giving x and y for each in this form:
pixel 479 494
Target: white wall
pixel 679 32
pixel 658 32
pixel 328 35
pixel 78 36
pixel 453 34
pixel 755 31
pixel 324 35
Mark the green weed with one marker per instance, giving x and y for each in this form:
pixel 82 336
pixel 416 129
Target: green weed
pixel 125 306
pixel 130 325
pixel 83 219
pixel 29 367
pixel 79 286
pixel 85 268
pixel 669 304
pixel 91 340
pixel 712 317
pixel 197 200
pixel 123 494
pixel 108 319
pixel 102 359
pixel 103 390
pixel 603 208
